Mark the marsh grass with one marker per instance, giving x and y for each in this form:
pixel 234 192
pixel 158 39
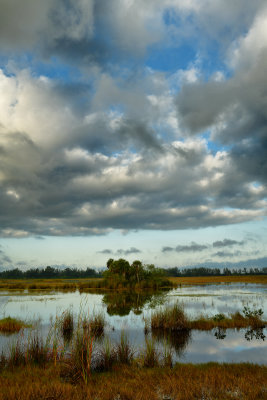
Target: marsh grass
pixel 173 318
pixel 203 280
pixel 124 350
pixel 10 325
pixel 235 320
pixel 105 358
pixel 184 381
pixel 96 324
pixel 78 364
pixel 66 325
pixel 150 356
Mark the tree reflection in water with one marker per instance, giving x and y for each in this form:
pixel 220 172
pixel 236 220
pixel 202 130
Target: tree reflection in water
pixel 255 334
pixel 250 334
pixel 122 303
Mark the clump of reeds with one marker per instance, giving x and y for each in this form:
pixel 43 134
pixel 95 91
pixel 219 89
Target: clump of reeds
pixel 124 350
pixel 167 355
pixel 96 324
pixel 78 364
pixel 12 325
pixel 105 357
pixel 67 325
pixel 150 357
pixel 28 350
pixel 171 318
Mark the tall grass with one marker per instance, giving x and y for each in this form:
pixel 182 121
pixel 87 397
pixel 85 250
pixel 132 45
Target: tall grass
pixel 78 364
pixel 67 325
pixel 150 356
pixel 96 324
pixel 171 318
pixel 105 358
pixel 124 350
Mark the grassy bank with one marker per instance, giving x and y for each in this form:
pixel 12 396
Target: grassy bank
pixel 207 381
pixel 12 325
pixel 200 280
pixel 34 285
pixel 173 318
pixel 83 285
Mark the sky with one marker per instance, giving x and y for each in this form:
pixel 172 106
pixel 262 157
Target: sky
pixel 133 129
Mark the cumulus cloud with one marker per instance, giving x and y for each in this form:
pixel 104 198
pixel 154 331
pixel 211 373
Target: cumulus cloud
pixel 106 149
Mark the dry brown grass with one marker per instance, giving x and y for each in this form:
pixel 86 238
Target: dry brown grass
pixel 47 284
pixel 207 381
pixel 200 280
pixel 12 325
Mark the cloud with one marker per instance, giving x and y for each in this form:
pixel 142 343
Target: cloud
pixel 114 147
pixel 227 254
pixel 4 259
pixel 132 250
pixel 193 247
pixel 167 249
pixel 228 242
pixel 234 109
pixel 105 251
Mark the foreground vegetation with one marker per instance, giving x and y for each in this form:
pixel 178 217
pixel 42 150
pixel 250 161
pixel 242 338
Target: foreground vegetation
pixel 73 363
pixel 184 381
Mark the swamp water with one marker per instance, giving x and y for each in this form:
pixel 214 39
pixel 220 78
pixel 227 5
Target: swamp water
pixel 127 312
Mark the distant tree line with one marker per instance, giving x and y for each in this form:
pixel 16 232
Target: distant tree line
pixel 135 272
pixel 176 272
pixel 50 273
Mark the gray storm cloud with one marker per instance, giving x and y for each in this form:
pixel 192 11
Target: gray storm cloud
pixel 111 150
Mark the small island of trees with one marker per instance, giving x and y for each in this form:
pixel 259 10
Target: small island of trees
pixel 121 274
